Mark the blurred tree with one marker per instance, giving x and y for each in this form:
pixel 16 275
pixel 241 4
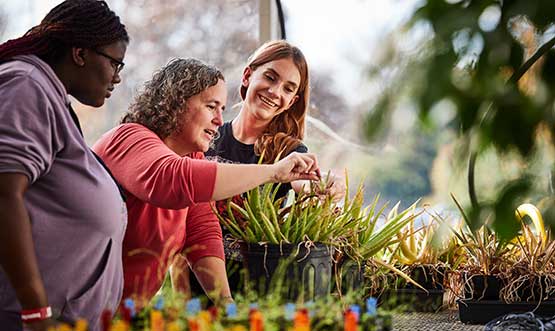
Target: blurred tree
pixel 472 55
pixel 407 174
pixel 326 104
pixel 164 29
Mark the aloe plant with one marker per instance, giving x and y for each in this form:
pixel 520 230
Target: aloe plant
pixel 313 217
pixel 483 251
pixel 310 217
pixel 372 232
pixel 256 219
pixel 368 238
pixel 426 245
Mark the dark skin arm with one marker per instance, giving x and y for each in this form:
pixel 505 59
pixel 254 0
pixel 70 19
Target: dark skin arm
pixel 17 253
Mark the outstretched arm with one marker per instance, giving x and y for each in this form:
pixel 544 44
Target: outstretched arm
pixel 146 168
pixel 233 179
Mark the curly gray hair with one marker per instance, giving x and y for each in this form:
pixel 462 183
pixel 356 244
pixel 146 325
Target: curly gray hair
pixel 161 104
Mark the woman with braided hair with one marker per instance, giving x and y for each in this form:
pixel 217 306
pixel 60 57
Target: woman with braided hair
pixel 62 216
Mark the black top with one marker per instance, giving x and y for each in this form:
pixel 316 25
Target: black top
pixel 227 149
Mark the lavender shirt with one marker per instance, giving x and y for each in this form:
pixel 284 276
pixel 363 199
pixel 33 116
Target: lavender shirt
pixel 78 217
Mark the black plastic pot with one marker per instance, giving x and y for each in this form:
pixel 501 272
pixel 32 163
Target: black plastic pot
pixel 412 298
pixel 481 287
pixel 483 311
pixel 429 277
pixel 536 288
pixel 300 270
pixel 351 275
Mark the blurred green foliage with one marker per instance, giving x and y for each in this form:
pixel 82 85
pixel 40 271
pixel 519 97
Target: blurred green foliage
pixel 475 58
pixel 407 175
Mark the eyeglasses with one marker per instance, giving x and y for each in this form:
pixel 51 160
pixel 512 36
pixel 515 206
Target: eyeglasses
pixel 118 65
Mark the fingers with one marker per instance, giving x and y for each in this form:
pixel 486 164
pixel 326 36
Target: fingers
pixel 297 166
pixel 314 164
pixel 305 176
pixel 337 190
pixel 305 163
pixel 300 164
pixel 337 187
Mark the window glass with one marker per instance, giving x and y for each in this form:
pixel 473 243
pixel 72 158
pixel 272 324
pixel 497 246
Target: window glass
pixel 345 44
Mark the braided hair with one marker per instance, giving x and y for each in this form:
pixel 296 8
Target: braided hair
pixel 73 23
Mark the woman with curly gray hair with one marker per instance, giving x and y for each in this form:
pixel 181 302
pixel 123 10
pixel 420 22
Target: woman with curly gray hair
pixel 157 156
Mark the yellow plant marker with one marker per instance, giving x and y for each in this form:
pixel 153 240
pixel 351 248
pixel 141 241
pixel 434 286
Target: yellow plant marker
pixel 156 321
pixel 174 326
pixel 81 325
pixel 528 209
pixel 65 327
pixel 119 326
pixel 205 320
pixel 237 327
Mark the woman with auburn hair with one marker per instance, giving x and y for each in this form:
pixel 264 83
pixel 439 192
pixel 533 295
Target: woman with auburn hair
pixel 63 217
pixel 275 89
pixel 157 156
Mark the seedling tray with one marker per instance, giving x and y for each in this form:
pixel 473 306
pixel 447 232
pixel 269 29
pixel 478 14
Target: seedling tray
pixel 483 311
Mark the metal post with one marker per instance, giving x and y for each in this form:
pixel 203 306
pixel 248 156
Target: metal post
pixel 268 21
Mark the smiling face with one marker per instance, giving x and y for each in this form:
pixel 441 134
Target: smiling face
pixel 201 120
pixel 271 88
pixel 99 74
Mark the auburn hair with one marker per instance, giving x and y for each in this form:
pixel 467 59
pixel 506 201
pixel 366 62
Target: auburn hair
pixel 285 132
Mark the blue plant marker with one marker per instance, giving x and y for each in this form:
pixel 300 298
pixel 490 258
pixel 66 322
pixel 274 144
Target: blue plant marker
pixel 355 309
pixel 130 304
pixel 289 311
pixel 159 305
pixel 371 306
pixel 231 310
pixel 193 306
pixel 253 305
pixel 310 306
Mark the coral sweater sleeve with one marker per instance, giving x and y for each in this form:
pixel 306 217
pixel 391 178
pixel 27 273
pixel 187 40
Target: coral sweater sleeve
pixel 149 170
pixel 204 234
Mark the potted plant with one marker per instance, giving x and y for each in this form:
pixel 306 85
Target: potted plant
pixel 369 237
pixel 300 235
pixel 422 254
pixel 531 277
pixel 521 272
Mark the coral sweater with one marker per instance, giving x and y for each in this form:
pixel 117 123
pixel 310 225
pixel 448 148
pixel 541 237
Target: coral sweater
pixel 168 205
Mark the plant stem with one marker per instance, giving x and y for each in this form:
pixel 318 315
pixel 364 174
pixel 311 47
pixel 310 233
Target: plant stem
pixel 530 62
